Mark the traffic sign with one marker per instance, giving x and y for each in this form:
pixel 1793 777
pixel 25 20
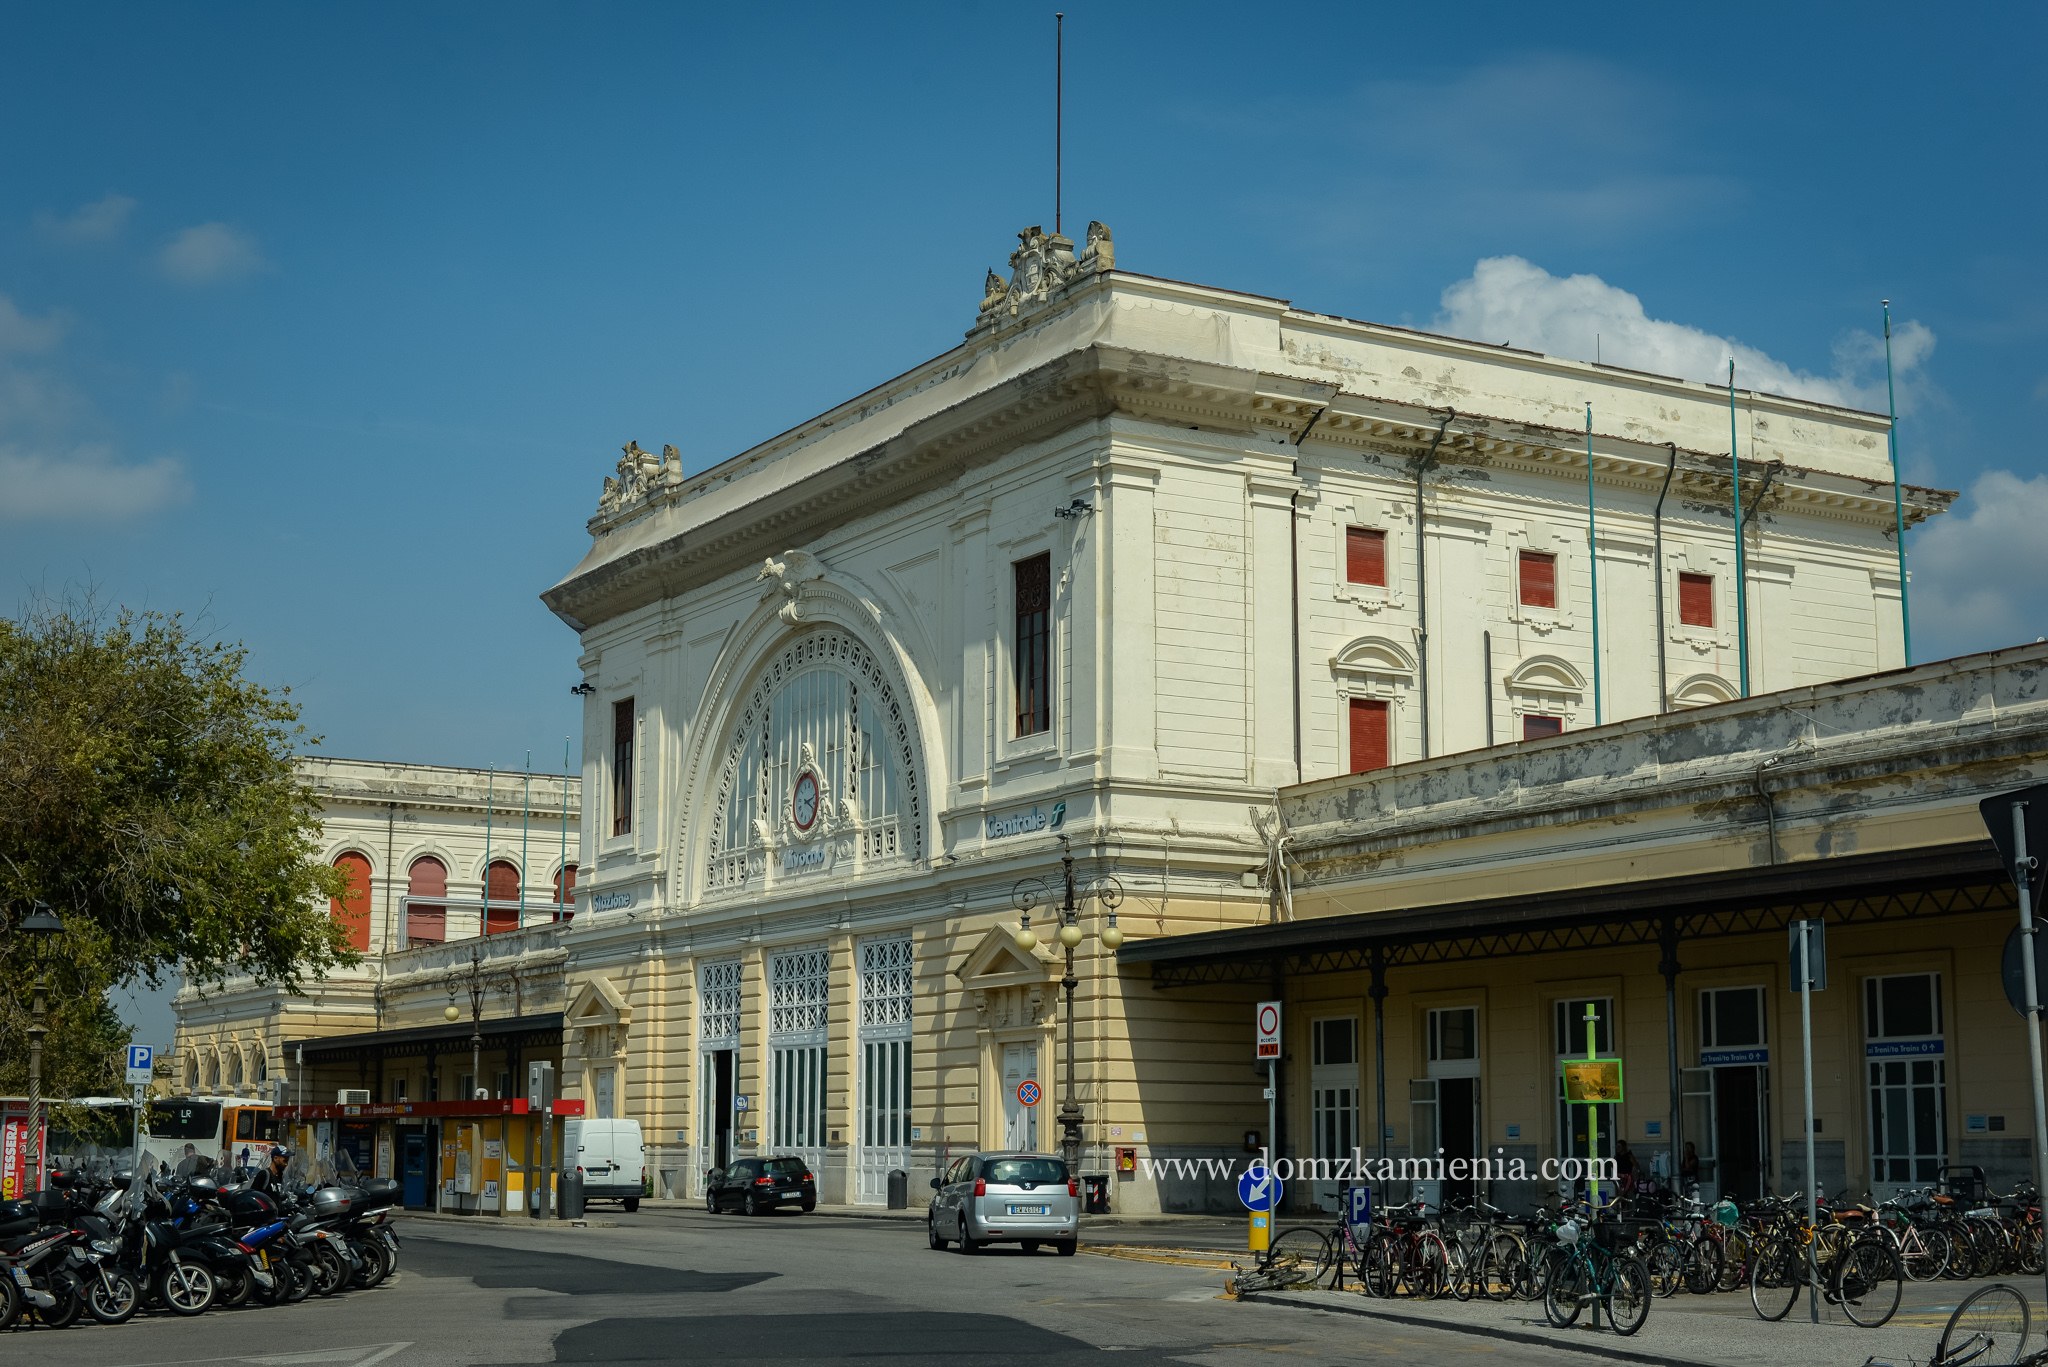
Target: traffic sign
pixel 1817 945
pixel 1027 1092
pixel 141 1064
pixel 1259 1189
pixel 1269 1030
pixel 1358 1210
pixel 1997 814
pixel 2013 968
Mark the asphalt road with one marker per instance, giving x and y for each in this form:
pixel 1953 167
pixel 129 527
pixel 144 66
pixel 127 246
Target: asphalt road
pixel 694 1288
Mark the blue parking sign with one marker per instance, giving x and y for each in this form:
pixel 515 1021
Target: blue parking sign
pixel 1358 1206
pixel 140 1058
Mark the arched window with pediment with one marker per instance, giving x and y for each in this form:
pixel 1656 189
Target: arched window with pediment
pixel 819 770
pixel 1546 695
pixel 1702 690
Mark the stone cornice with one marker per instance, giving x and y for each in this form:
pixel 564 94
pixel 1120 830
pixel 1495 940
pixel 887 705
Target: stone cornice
pixel 1097 380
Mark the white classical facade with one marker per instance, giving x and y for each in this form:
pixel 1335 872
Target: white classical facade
pixel 1103 578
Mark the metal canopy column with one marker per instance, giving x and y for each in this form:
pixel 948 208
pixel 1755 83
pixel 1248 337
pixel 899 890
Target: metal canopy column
pixel 1378 992
pixel 1667 939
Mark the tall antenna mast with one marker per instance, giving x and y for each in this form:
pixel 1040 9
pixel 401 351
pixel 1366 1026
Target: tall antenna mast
pixel 1059 101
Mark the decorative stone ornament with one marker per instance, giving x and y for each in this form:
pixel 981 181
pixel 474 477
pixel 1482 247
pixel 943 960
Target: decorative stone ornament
pixel 642 476
pixel 1041 267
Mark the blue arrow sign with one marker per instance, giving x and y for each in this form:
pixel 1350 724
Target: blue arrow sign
pixel 1258 1189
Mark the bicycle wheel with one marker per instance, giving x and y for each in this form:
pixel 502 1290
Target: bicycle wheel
pixel 1962 1254
pixel 1775 1273
pixel 1628 1295
pixel 1989 1328
pixel 1429 1271
pixel 1738 1250
pixel 1866 1282
pixel 1378 1265
pixel 2030 1249
pixel 1703 1266
pixel 1564 1291
pixel 1298 1257
pixel 1469 1270
pixel 1666 1268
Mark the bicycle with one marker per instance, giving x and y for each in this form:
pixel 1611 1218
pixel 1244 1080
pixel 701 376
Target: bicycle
pixel 1858 1272
pixel 1406 1253
pixel 1592 1274
pixel 1987 1330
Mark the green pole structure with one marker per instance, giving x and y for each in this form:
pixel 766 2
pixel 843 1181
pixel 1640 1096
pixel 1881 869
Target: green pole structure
pixel 1592 1107
pixel 490 793
pixel 562 900
pixel 525 823
pixel 1741 571
pixel 1593 562
pixel 1891 398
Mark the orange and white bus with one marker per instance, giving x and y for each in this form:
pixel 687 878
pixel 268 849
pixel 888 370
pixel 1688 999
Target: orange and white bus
pixel 227 1131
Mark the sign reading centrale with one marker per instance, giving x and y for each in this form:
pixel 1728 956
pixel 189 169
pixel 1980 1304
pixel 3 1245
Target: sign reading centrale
pixel 1025 823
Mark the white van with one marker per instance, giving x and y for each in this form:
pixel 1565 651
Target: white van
pixel 611 1157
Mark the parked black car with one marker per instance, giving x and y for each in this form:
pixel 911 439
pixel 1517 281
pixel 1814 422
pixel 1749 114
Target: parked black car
pixel 759 1185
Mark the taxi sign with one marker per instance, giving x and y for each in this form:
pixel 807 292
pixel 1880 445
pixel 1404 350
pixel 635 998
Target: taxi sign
pixel 1027 1092
pixel 1269 1030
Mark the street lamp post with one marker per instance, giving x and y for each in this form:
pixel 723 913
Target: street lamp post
pixel 1027 895
pixel 477 983
pixel 40 923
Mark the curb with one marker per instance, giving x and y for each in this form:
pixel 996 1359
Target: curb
pixel 1606 1350
pixel 1178 1257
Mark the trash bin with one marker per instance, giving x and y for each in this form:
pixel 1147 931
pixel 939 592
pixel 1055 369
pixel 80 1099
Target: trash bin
pixel 899 1189
pixel 1098 1194
pixel 571 1204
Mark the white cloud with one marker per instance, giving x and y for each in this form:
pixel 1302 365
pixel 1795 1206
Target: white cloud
pixel 1980 571
pixel 84 483
pixel 211 252
pixel 49 470
pixel 100 221
pixel 1509 300
pixel 20 333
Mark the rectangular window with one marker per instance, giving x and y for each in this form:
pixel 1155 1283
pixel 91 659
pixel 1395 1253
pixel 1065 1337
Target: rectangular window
pixel 1033 648
pixel 1905 1057
pixel 1538 574
pixel 622 766
pixel 1536 727
pixel 1732 1018
pixel 1454 1035
pixel 1365 556
pixel 1696 600
pixel 1368 735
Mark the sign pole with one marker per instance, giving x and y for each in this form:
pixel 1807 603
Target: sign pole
pixel 2023 878
pixel 1592 1111
pixel 1812 1177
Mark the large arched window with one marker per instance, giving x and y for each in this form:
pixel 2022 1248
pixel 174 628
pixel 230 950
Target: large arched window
pixel 426 914
pixel 821 765
pixel 502 912
pixel 352 908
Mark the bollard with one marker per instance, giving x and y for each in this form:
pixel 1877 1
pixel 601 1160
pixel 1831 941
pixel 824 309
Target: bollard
pixel 899 1189
pixel 571 1203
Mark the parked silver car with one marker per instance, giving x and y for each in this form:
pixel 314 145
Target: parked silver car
pixel 1017 1198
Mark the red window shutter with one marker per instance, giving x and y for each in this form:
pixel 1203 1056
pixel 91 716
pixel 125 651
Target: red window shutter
pixel 565 894
pixel 1696 599
pixel 1365 556
pixel 352 908
pixel 428 877
pixel 1368 735
pixel 503 881
pixel 1539 580
pixel 425 925
pixel 1536 728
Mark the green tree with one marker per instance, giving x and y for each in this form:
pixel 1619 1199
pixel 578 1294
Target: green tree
pixel 148 795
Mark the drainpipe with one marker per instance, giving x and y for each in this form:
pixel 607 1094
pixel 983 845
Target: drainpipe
pixel 1294 584
pixel 1657 579
pixel 1422 582
pixel 1667 939
pixel 1486 664
pixel 1378 993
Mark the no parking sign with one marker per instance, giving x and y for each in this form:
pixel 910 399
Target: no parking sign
pixel 1027 1092
pixel 1269 1030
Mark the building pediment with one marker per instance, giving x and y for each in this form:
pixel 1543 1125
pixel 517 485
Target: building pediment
pixel 598 1002
pixel 997 962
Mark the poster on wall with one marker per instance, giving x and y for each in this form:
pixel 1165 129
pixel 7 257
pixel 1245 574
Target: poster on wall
pixel 14 1178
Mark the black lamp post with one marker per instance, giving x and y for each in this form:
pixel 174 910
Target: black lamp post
pixel 478 984
pixel 40 924
pixel 1109 893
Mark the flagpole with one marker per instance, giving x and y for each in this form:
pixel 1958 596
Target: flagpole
pixel 490 793
pixel 525 823
pixel 1741 571
pixel 563 900
pixel 1593 562
pixel 1059 110
pixel 1898 490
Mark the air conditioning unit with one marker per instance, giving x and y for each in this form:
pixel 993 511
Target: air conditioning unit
pixel 353 1096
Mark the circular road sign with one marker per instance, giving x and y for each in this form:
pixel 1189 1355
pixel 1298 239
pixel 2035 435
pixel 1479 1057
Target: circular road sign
pixel 1258 1189
pixel 1027 1092
pixel 1269 1019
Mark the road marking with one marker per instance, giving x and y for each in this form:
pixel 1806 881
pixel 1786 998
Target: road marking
pixel 363 1355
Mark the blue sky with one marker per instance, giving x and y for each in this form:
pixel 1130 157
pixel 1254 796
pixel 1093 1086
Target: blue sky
pixel 325 324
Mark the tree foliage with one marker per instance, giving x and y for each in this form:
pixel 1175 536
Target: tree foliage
pixel 148 795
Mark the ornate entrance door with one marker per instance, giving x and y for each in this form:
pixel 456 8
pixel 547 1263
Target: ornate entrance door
pixel 884 1063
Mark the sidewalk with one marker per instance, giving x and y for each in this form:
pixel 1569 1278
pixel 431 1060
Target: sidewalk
pixel 1682 1331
